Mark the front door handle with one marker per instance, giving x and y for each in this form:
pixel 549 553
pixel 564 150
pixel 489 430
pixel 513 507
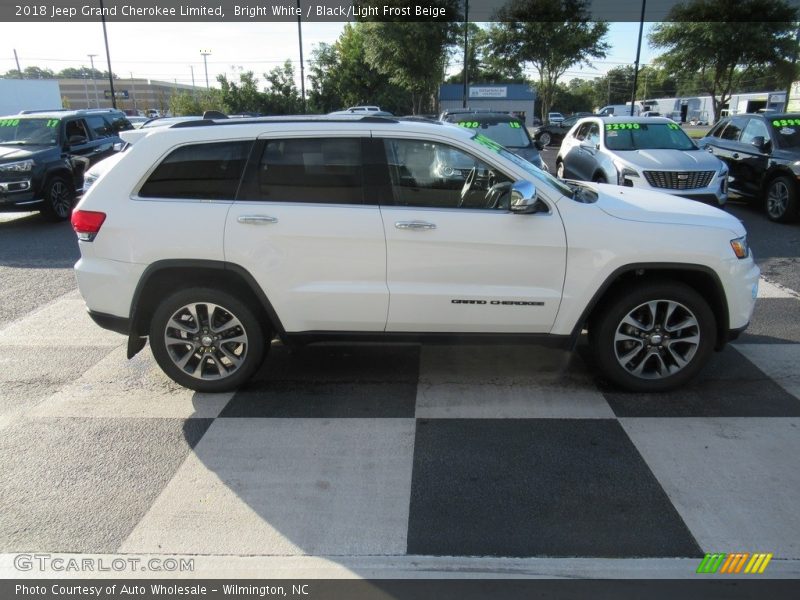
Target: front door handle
pixel 735 155
pixel 256 219
pixel 414 225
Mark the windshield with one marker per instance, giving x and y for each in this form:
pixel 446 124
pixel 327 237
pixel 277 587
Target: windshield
pixel 511 134
pixel 787 130
pixel 529 168
pixel 647 136
pixel 23 132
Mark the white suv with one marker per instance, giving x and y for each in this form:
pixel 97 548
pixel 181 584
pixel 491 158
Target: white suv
pixel 211 238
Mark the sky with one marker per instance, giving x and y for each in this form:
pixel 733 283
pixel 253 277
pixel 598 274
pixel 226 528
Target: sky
pixel 169 51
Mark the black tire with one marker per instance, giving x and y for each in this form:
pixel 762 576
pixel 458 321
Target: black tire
pixel 781 200
pixel 546 138
pixel 661 370
pixel 59 199
pixel 206 360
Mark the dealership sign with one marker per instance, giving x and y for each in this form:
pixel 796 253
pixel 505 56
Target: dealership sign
pixel 488 92
pixel 117 94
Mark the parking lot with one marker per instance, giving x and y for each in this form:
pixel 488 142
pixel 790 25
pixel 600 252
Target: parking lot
pixel 392 460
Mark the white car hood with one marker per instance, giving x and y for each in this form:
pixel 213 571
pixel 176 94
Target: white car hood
pixel 634 204
pixel 670 159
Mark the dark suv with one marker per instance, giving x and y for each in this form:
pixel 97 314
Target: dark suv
pixel 505 129
pixel 44 154
pixel 763 155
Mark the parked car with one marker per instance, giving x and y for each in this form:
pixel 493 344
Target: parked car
pixel 763 155
pixel 619 110
pixel 555 132
pixel 138 121
pixel 554 117
pixel 44 154
pixel 651 153
pixel 504 129
pixel 319 230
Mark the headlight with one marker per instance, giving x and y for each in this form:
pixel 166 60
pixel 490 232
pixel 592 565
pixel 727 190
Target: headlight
pixel 88 180
pixel 623 173
pixel 22 166
pixel 723 170
pixel 740 248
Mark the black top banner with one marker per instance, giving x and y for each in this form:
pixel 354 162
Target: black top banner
pixel 335 10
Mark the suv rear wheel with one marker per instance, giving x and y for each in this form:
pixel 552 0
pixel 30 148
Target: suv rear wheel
pixel 207 340
pixel 59 199
pixel 653 337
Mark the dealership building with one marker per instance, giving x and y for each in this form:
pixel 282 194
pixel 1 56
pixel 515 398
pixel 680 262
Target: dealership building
pixel 136 94
pixel 517 98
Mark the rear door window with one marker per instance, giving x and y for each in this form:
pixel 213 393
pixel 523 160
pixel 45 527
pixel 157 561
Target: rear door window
pixel 734 129
pixel 313 170
pixel 210 171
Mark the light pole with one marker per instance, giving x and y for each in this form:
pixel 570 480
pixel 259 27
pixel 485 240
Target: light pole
pixel 205 54
pixel 94 81
pixel 302 68
pixel 108 57
pixel 638 53
pixel 466 53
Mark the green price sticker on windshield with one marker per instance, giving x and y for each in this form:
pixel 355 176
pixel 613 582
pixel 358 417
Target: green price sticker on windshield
pixel 52 122
pixel 616 126
pixel 673 126
pixel 514 125
pixel 9 122
pixel 469 124
pixel 786 122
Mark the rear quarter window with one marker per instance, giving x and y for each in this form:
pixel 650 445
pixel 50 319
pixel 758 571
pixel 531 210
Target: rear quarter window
pixel 209 171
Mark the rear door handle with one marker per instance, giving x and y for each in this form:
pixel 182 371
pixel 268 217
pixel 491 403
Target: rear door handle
pixel 257 219
pixel 414 225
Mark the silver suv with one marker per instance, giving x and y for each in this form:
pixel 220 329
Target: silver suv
pixel 642 152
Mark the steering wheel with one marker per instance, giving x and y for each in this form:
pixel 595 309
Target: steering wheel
pixel 496 193
pixel 467 186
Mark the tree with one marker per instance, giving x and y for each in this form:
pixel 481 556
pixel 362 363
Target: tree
pixel 241 97
pixel 551 35
pixel 341 76
pixel 484 64
pixel 185 103
pixel 412 54
pixel 282 96
pixel 715 41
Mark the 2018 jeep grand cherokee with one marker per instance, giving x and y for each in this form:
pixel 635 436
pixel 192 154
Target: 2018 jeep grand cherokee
pixel 211 238
pixel 44 154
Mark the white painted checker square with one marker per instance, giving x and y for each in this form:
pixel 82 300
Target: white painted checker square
pixel 733 480
pixel 64 322
pixel 519 381
pixel 287 487
pixel 780 362
pixel 120 388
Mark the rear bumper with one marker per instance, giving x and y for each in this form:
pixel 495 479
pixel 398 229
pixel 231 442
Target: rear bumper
pixel 111 322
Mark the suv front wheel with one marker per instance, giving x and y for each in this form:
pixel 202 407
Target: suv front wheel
pixel 207 340
pixel 653 337
pixel 59 199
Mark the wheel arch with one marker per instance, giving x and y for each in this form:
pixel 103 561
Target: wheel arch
pixel 701 278
pixel 164 277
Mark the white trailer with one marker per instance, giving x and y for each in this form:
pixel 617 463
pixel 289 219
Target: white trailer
pixel 28 94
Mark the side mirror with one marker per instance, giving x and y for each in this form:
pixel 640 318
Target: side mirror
pixel 524 200
pixel 539 145
pixel 760 143
pixel 76 140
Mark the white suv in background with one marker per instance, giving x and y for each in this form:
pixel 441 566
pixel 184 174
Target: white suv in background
pixel 210 238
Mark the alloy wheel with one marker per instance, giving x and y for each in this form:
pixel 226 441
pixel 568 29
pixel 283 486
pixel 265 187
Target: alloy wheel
pixel 777 199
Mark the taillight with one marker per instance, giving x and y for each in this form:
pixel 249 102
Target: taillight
pixel 87 223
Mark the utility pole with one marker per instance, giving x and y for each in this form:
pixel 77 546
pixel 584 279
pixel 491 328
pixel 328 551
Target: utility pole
pixel 108 56
pixel 205 54
pixel 638 54
pixel 788 87
pixel 85 86
pixel 194 91
pixel 16 58
pixel 94 82
pixel 302 67
pixel 466 53
pixel 133 89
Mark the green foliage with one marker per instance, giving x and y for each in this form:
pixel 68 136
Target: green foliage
pixel 721 51
pixel 551 35
pixel 485 65
pixel 413 55
pixel 340 77
pixel 279 98
pixel 185 103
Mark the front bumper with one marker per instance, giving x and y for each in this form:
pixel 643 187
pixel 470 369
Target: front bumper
pixel 715 192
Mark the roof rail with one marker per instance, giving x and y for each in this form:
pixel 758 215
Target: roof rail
pixel 287 119
pixel 43 110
